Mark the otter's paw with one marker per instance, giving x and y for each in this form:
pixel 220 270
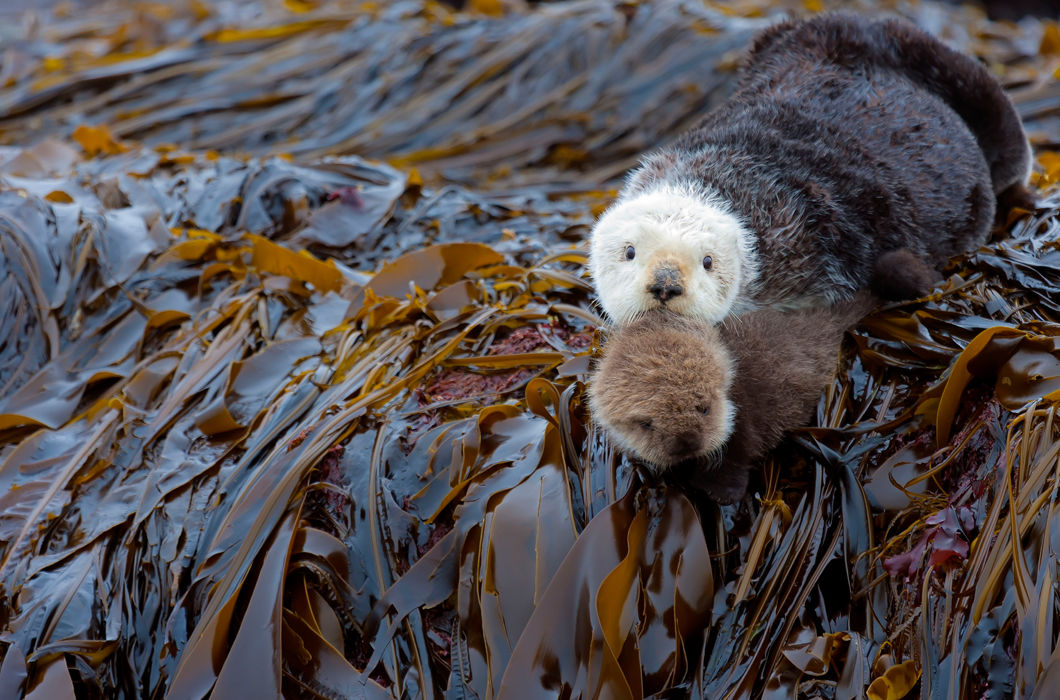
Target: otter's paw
pixel 902 274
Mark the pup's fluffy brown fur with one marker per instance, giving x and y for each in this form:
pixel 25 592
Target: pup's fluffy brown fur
pixel 661 389
pixel 766 369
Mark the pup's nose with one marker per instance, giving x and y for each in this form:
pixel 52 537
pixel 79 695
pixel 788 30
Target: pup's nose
pixel 667 284
pixel 685 444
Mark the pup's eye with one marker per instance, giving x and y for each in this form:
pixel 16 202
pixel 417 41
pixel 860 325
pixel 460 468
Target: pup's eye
pixel 708 262
pixel 705 410
pixel 646 424
pixel 630 252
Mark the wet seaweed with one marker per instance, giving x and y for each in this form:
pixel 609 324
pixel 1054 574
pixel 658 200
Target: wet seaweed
pixel 280 420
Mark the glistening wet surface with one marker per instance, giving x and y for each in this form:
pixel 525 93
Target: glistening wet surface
pixel 293 352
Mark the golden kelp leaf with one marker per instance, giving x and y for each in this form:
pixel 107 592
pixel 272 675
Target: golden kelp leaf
pixel 1050 43
pixel 13 672
pixel 990 348
pixel 212 661
pixel 521 553
pixel 562 644
pixel 543 280
pixel 1050 163
pixel 119 57
pixel 616 598
pixel 48 157
pixel 300 266
pixel 165 318
pixel 432 267
pixel 523 359
pixel 252 381
pixel 299 7
pixel 215 418
pixel 895 683
pixel 319 665
pixel 274 32
pixel 252 668
pixel 93 651
pixel 59 197
pixel 496 8
pixel 144 385
pixel 17 420
pixel 197 233
pixel 454 299
pixel 97 140
pixel 189 250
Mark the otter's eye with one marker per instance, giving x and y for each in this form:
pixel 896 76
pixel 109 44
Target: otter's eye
pixel 630 252
pixel 708 262
pixel 646 424
pixel 705 410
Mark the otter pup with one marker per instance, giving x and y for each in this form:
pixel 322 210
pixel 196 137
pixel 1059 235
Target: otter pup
pixel 703 402
pixel 661 389
pixel 847 140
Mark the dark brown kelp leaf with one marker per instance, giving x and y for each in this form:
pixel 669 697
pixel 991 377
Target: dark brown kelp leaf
pixel 13 672
pixel 642 594
pixel 250 663
pixel 320 670
pixel 54 682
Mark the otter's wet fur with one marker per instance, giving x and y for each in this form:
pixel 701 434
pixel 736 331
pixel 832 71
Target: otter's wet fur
pixel 763 371
pixel 846 139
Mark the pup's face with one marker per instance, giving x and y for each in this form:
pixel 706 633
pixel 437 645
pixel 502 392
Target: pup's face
pixel 661 389
pixel 668 249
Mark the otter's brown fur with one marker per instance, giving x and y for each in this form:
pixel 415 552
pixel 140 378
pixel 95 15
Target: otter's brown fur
pixel 770 365
pixel 848 138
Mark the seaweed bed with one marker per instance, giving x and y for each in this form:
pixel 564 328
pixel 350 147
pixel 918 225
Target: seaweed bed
pixel 292 362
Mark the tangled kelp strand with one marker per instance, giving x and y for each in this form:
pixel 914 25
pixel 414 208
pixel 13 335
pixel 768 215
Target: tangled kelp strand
pixel 529 96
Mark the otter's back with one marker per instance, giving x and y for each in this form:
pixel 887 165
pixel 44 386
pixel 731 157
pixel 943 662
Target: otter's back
pixel 783 361
pixel 833 151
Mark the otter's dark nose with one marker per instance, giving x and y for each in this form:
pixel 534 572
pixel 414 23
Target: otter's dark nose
pixel 667 284
pixel 686 443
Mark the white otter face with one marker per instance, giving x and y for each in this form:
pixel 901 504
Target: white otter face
pixel 669 248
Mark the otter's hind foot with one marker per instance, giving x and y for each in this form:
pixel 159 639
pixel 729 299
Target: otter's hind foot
pixel 902 274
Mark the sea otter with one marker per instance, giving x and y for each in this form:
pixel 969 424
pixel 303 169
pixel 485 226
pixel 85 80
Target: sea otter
pixel 848 141
pixel 701 403
pixel 661 388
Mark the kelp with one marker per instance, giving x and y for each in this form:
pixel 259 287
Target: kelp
pixel 582 86
pixel 315 425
